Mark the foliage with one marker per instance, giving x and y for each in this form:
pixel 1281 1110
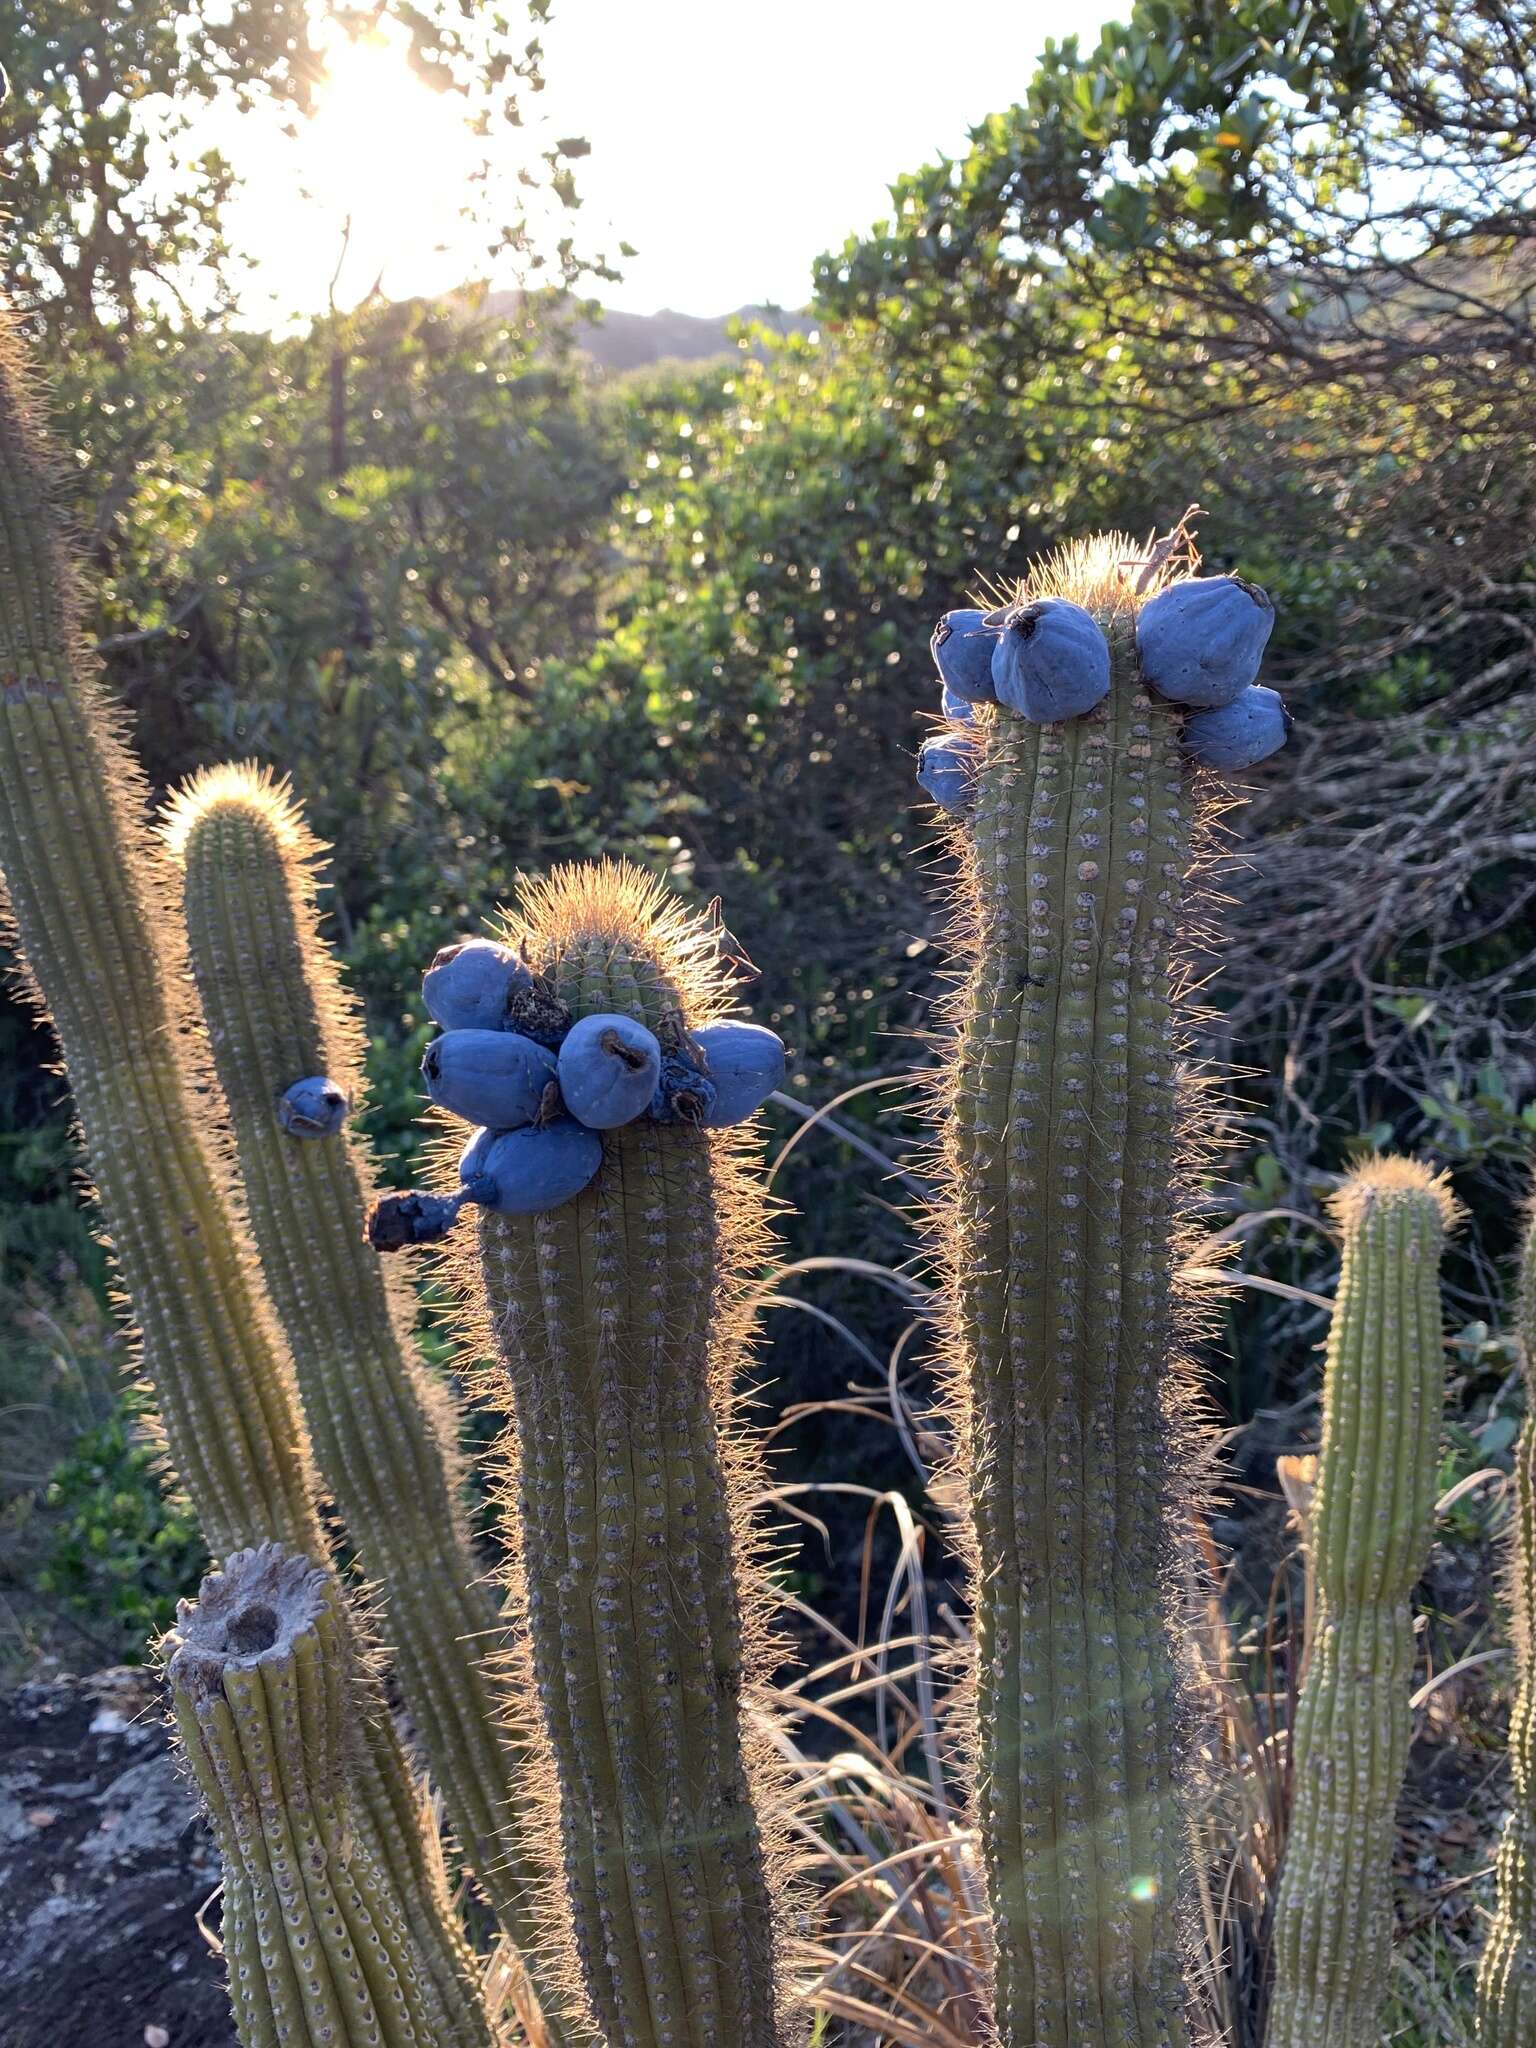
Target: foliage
pixel 120 1554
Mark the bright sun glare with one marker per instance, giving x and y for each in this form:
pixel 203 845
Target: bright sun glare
pixel 381 167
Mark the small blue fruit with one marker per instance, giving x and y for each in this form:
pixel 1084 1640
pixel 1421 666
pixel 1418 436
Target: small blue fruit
pixel 1050 660
pixel 1253 726
pixel 468 987
pixel 683 1095
pixel 1202 640
pixel 313 1108
pixel 497 1078
pixel 944 768
pixel 745 1064
pixel 522 1173
pixel 956 708
pixel 609 1068
pixel 962 651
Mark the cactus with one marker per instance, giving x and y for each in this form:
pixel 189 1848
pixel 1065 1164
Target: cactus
pixel 385 1437
pixel 1506 1979
pixel 88 891
pixel 263 1689
pixel 621 1318
pixel 1383 1388
pixel 1059 1146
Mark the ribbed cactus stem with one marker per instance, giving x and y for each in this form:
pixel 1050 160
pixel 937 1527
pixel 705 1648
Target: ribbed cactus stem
pixel 619 1318
pixel 95 917
pixel 384 1436
pixel 1059 1136
pixel 1383 1391
pixel 1506 1981
pixel 267 1702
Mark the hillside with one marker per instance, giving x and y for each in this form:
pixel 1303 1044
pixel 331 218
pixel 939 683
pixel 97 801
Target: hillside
pixel 622 341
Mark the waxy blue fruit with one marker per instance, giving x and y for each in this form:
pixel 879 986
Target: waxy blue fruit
pixel 944 768
pixel 1050 660
pixel 684 1095
pixel 962 651
pixel 1253 726
pixel 745 1064
pixel 1201 641
pixel 955 707
pixel 609 1068
pixel 312 1108
pixel 468 987
pixel 498 1078
pixel 522 1173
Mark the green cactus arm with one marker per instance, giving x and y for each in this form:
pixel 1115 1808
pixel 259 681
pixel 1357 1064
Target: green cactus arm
pixel 265 1697
pixel 1506 1979
pixel 384 1437
pixel 1058 1135
pixel 1383 1391
pixel 89 893
pixel 619 1320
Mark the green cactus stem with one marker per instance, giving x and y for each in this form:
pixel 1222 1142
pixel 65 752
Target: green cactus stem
pixel 265 1696
pixel 89 893
pixel 1060 1143
pixel 385 1436
pixel 620 1318
pixel 1506 1980
pixel 1372 1517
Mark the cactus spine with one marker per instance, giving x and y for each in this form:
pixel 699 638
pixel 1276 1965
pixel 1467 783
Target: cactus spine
pixel 262 1686
pixel 1058 1141
pixel 1383 1389
pixel 86 889
pixel 620 1320
pixel 1506 1981
pixel 276 1011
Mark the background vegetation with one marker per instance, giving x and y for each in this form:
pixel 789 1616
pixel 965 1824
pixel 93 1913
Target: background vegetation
pixel 492 609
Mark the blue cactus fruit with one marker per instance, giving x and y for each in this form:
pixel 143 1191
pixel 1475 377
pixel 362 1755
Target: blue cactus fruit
pixel 1253 726
pixel 683 1095
pixel 523 1173
pixel 944 771
pixel 745 1064
pixel 497 1078
pixel 959 709
pixel 1201 641
pixel 1050 660
pixel 609 1070
pixel 468 987
pixel 312 1108
pixel 962 651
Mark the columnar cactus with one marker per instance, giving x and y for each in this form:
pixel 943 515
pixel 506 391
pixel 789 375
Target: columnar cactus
pixel 264 1690
pixel 619 1314
pixel 1060 1138
pixel 287 1051
pixel 1372 1516
pixel 1506 1981
pixel 94 915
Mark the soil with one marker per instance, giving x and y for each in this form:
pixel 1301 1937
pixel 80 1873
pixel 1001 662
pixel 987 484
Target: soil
pixel 105 1869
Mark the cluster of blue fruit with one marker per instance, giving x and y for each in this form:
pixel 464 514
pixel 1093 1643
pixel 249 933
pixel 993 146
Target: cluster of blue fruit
pixel 1199 644
pixel 542 1088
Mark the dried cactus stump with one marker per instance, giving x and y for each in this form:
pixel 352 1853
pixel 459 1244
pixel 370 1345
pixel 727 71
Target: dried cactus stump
pixel 619 1316
pixel 320 1945
pixel 1076 799
pixel 1383 1390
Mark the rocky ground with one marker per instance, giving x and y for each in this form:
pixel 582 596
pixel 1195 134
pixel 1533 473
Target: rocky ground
pixel 105 1875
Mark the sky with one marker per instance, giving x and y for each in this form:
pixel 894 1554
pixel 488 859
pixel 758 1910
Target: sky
pixel 731 144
